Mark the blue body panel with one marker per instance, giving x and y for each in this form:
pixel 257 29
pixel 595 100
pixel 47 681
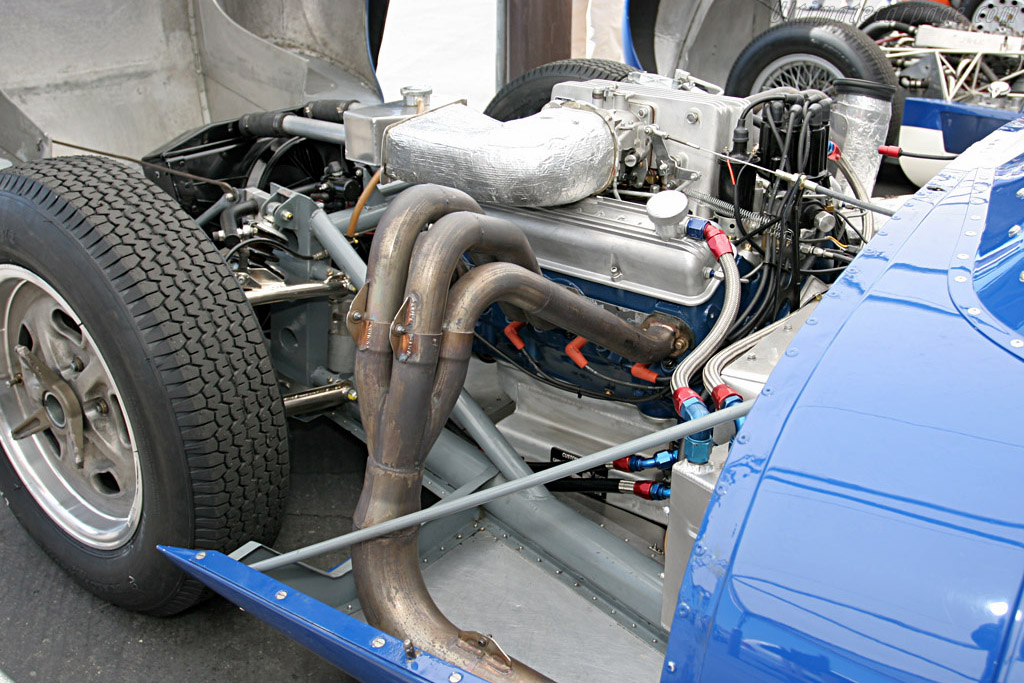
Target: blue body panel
pixel 868 524
pixel 340 639
pixel 961 124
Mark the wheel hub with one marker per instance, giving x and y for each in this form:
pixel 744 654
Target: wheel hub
pixel 59 409
pixel 800 71
pixel 54 410
pixel 62 423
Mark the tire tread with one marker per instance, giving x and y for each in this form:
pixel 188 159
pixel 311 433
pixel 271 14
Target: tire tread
pixel 201 334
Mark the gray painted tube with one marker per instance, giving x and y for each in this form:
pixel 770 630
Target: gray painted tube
pixel 338 247
pixel 471 417
pixel 224 202
pixel 611 568
pixel 487 495
pixel 324 131
pixel 369 218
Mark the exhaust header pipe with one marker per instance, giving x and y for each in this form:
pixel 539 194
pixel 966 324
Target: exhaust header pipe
pixel 411 362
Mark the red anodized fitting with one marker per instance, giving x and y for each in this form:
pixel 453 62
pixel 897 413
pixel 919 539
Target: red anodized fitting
pixel 722 392
pixel 512 334
pixel 680 396
pixel 717 240
pixel 622 464
pixel 643 489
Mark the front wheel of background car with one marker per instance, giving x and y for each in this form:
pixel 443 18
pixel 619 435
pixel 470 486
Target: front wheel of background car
pixel 811 53
pixel 138 405
pixel 995 16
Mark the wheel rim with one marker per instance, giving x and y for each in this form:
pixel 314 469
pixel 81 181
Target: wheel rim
pixel 1000 16
pixel 62 420
pixel 800 71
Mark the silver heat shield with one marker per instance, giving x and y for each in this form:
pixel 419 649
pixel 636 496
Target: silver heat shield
pixel 554 157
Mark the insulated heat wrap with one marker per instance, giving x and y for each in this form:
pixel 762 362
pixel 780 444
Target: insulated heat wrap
pixel 557 156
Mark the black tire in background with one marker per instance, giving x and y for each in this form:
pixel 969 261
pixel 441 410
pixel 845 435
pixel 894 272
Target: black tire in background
pixel 847 51
pixel 919 13
pixel 186 353
pixel 529 93
pixel 643 16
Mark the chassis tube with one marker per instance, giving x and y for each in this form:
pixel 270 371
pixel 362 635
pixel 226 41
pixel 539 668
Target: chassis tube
pixel 338 247
pixel 451 506
pixel 314 129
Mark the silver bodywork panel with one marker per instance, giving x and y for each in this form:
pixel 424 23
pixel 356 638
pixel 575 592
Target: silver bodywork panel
pixel 748 373
pixel 160 67
pixel 20 138
pixel 689 35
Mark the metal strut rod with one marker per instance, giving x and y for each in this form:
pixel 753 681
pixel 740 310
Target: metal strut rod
pixel 473 500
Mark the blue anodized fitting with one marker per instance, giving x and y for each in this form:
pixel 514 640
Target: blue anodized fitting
pixel 734 400
pixel 696 447
pixel 662 460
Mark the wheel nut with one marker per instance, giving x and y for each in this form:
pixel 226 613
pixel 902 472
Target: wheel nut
pixel 76 365
pixel 97 408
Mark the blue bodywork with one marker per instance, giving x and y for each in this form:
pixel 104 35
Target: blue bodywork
pixel 961 124
pixel 868 523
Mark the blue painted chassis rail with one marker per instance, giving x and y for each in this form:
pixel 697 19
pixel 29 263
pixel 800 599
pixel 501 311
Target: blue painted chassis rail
pixel 358 649
pixel 868 524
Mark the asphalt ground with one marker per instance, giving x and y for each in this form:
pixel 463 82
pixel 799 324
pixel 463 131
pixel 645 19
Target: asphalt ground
pixel 52 630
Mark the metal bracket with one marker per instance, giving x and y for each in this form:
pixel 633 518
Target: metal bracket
pixel 356 321
pixel 478 642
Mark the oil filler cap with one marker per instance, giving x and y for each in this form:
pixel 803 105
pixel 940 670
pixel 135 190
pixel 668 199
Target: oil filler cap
pixel 667 210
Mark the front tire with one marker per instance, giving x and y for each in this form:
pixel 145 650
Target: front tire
pixel 140 406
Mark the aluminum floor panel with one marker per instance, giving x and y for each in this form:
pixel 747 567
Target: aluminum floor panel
pixel 484 585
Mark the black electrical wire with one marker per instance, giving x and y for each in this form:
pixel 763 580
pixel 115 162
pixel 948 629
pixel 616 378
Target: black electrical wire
pixel 857 232
pixel 763 297
pixel 542 376
pixel 737 215
pixel 264 240
pixel 759 299
pixel 773 127
pixel 624 383
pixel 823 271
pixel 931 157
